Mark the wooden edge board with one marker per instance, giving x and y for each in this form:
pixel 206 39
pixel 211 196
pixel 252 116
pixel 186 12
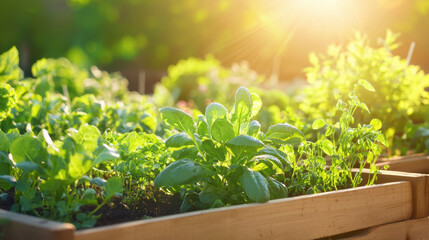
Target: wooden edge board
pixel 404 230
pixel 416 164
pixel 302 217
pixel 420 187
pixel 20 226
pixel 407 156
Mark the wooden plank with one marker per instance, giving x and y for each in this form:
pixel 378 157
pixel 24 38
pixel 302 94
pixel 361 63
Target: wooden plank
pixel 417 163
pixel 404 230
pixel 418 229
pixel 303 217
pixel 19 226
pixel 392 231
pixel 420 186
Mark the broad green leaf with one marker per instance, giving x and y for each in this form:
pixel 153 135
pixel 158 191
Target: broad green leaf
pixel 178 118
pixel 22 186
pixel 364 107
pixel 149 121
pixel 179 140
pixel 255 186
pixel 28 148
pixel 320 159
pixel 242 109
pixel 243 146
pixel 369 157
pixel 113 186
pixel 4 142
pixel 276 153
pixel 366 85
pixel 216 152
pixel 202 126
pixel 105 153
pixel 13 134
pixel 78 166
pixel 242 95
pixel 318 123
pixel 382 139
pixel 87 136
pixel 215 111
pixel 9 179
pixel 50 185
pixel 254 127
pixel 189 201
pixel 246 141
pixel 186 152
pixel 277 189
pixel 376 123
pixel 256 104
pixel 9 66
pixel 44 85
pixel 89 197
pixel 210 194
pixel 327 147
pixel 268 158
pixel 98 181
pixel 5 164
pixel 283 133
pixel 180 172
pixel 330 130
pixel 28 166
pixel 222 131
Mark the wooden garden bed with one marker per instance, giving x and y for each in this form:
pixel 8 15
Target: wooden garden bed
pixel 420 186
pixel 415 229
pixel 415 163
pixel 303 217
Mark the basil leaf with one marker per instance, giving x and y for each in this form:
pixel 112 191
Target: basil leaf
pixel 255 186
pixel 180 172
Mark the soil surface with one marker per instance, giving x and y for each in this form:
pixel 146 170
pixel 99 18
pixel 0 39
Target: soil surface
pixel 124 210
pixel 120 211
pixel 8 202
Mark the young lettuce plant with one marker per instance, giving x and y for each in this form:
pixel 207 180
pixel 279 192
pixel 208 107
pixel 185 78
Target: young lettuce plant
pixel 223 158
pixel 49 179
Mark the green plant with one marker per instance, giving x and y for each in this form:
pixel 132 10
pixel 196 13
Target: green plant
pixel 49 178
pixel 223 158
pixel 196 83
pixel 7 100
pixel 400 86
pixel 141 158
pixel 346 147
pixel 9 72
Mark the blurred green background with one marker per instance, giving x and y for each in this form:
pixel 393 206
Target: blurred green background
pixel 146 36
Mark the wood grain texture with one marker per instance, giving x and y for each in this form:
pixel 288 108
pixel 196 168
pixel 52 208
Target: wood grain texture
pixel 416 229
pixel 416 163
pixel 303 217
pixel 16 226
pixel 420 186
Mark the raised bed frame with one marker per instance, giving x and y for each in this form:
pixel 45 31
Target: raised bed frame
pixel 410 229
pixel 302 217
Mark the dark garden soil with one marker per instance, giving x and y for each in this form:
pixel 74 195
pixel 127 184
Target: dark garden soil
pixel 7 202
pixel 124 210
pixel 119 211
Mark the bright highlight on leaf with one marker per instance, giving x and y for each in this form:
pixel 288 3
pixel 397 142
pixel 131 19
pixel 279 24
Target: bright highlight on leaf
pixel 366 85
